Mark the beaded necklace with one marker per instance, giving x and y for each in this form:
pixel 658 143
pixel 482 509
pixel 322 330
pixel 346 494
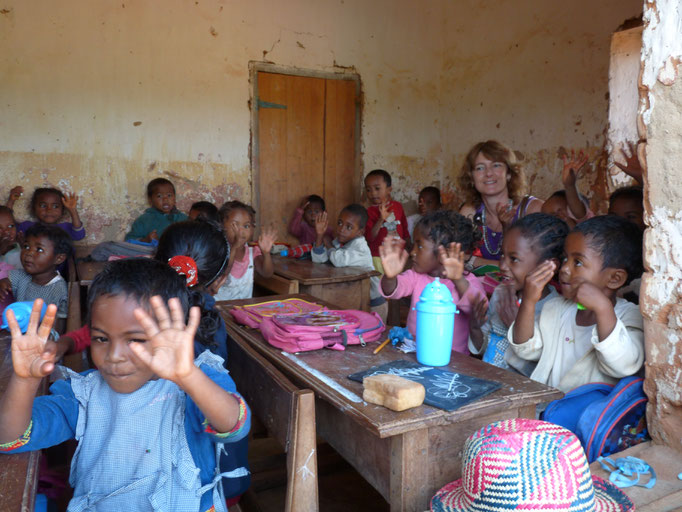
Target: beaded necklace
pixel 485 235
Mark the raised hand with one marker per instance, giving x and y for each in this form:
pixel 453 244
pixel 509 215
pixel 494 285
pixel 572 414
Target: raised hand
pixel 304 203
pixel 479 311
pixel 631 167
pixel 536 281
pixel 384 210
pixel 70 201
pixel 267 238
pixel 572 166
pixel 321 224
pixel 169 353
pixel 5 288
pixel 393 256
pixel 14 194
pixel 507 306
pixel 591 296
pixel 452 260
pixel 505 214
pixel 31 357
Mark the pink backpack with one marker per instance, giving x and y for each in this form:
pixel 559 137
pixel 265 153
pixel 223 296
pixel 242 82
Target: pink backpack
pixel 253 314
pixel 334 329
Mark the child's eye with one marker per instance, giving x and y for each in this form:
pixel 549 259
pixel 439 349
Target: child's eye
pixel 578 263
pixel 42 205
pixel 513 259
pixel 99 339
pixel 136 340
pixel 40 249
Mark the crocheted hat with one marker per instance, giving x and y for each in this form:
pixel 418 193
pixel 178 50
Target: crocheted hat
pixel 523 464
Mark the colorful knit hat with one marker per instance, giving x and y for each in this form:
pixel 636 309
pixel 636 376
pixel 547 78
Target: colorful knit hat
pixel 531 465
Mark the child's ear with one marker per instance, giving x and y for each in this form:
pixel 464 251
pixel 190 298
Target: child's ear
pixel 616 278
pixel 217 284
pixel 59 259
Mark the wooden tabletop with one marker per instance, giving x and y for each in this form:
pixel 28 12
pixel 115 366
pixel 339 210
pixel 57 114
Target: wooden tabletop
pixel 19 472
pixel 326 373
pixel 306 272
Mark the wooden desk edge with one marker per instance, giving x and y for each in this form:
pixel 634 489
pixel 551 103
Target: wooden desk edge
pixel 401 425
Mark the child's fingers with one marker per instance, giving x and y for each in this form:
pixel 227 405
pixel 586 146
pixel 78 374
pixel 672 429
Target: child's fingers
pixel 48 321
pixel 194 319
pixel 176 314
pixel 34 318
pixel 150 327
pixel 13 325
pixel 142 354
pixel 160 310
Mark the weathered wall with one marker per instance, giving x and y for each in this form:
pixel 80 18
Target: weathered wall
pixel 661 298
pixel 100 97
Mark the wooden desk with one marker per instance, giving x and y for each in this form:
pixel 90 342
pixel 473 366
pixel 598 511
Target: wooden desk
pixel 87 270
pixel 18 473
pixel 346 287
pixel 406 456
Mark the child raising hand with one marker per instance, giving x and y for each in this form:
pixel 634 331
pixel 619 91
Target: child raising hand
pixel 147 387
pixel 430 259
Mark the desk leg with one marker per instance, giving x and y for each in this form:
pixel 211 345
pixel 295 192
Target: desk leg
pixel 409 484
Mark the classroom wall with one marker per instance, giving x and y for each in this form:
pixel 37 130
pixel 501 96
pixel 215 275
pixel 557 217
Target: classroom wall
pixel 661 297
pixel 100 97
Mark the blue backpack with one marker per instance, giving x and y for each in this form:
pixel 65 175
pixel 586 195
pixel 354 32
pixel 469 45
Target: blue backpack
pixel 607 419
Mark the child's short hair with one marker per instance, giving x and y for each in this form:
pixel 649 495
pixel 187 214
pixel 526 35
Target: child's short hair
pixel 444 227
pixel 314 198
pixel 229 206
pixel 431 191
pixel 206 210
pixel 633 192
pixel 201 240
pixel 562 194
pixel 157 182
pixel 359 211
pixel 39 192
pixel 383 174
pixel 8 211
pixel 618 240
pixel 61 241
pixel 139 279
pixel 546 234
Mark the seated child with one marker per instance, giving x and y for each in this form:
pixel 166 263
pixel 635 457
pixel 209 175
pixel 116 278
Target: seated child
pixel 603 341
pixel 530 241
pixel 429 201
pixel 430 259
pixel 568 204
pixel 238 220
pixel 147 388
pixel 384 216
pixel 48 205
pixel 302 224
pixel 349 249
pixel 204 209
pixel 45 248
pixel 162 213
pixel 10 251
pixel 628 202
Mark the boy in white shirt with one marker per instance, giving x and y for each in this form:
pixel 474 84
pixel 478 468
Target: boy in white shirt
pixel 349 249
pixel 588 335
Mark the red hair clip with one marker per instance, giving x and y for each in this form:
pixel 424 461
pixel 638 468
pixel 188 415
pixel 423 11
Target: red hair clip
pixel 185 266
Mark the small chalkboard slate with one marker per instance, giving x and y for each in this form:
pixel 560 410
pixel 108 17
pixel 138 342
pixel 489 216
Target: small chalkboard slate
pixel 445 390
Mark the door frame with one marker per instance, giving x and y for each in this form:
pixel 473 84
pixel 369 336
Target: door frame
pixel 254 68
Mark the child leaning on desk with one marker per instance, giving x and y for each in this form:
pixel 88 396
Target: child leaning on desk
pixel 349 249
pixel 151 420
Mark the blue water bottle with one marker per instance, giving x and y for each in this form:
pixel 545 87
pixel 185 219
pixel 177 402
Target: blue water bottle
pixel 435 324
pixel 22 312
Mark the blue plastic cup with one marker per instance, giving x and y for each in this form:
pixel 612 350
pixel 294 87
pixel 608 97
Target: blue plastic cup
pixel 22 312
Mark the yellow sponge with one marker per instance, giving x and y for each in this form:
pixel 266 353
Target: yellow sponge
pixel 393 392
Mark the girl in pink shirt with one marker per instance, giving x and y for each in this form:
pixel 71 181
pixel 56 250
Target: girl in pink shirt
pixel 442 242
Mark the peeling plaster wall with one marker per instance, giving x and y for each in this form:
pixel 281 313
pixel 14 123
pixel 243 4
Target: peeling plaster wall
pixel 661 297
pixel 101 97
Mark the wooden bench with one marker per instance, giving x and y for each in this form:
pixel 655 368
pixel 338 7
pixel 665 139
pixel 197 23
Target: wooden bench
pixel 288 414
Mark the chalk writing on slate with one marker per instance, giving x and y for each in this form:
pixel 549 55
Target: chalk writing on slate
pixel 445 390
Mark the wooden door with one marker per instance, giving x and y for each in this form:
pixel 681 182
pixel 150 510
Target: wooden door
pixel 305 143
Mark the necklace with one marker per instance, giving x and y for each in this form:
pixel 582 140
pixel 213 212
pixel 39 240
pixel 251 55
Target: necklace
pixel 485 236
